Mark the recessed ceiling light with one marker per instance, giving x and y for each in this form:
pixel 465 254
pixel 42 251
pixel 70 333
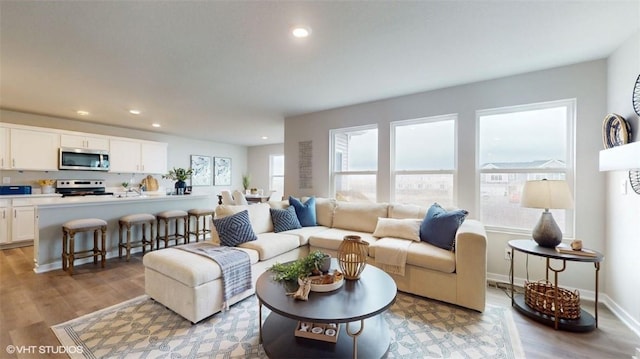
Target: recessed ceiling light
pixel 135 112
pixel 155 124
pixel 82 113
pixel 264 137
pixel 301 31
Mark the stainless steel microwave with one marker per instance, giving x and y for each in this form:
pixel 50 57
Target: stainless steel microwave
pixel 81 159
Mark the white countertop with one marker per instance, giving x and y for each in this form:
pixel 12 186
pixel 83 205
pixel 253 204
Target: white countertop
pixel 49 202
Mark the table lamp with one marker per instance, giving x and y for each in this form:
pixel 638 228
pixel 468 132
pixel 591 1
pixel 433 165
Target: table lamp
pixel 547 194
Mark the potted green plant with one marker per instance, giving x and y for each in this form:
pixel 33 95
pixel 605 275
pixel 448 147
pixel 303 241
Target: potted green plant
pixel 314 263
pixel 246 182
pixel 179 175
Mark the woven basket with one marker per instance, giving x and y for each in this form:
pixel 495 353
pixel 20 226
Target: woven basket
pixel 540 296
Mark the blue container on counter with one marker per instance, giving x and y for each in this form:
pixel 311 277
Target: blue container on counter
pixel 6 190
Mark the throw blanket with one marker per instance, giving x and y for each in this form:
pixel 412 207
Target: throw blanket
pixel 234 263
pixel 391 254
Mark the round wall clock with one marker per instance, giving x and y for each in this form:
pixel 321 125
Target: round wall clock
pixel 636 96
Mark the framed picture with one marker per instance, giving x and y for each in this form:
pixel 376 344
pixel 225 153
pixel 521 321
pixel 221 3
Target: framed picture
pixel 222 171
pixel 202 170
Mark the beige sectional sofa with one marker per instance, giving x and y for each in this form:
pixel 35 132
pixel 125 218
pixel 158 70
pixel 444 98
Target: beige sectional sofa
pixel 191 286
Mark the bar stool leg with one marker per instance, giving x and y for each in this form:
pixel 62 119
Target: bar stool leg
pixel 120 240
pixel 95 251
pixel 185 230
pixel 104 245
pixel 144 238
pixel 128 241
pixel 198 229
pixel 72 249
pixel 64 250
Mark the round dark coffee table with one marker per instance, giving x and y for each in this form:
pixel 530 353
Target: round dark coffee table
pixel 356 301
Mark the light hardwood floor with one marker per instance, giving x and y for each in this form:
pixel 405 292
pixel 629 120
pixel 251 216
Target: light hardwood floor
pixel 31 303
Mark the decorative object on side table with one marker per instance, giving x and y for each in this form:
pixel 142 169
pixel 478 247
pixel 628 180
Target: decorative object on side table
pixel 352 256
pixel 179 175
pixel 246 182
pixel 547 194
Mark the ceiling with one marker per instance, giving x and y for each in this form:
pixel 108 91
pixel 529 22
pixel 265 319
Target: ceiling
pixel 231 72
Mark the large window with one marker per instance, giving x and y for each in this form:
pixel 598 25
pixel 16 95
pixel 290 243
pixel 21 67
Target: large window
pixel 523 143
pixel 354 167
pixel 276 173
pixel 424 160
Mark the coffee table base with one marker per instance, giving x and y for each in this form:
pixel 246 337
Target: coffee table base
pixel 279 341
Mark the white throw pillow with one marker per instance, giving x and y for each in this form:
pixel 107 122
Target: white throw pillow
pixel 406 228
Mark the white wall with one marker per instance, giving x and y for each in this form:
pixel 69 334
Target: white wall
pixel 179 151
pixel 622 237
pixel 585 81
pixel 258 158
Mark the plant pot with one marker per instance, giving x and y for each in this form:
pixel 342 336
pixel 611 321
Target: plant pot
pixel 325 265
pixel 180 187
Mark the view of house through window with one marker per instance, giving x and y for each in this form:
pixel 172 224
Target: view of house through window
pixel 523 143
pixel 354 165
pixel 424 160
pixel 276 173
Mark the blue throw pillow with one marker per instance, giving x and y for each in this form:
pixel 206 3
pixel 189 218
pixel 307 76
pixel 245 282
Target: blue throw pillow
pixel 284 219
pixel 306 212
pixel 234 229
pixel 439 227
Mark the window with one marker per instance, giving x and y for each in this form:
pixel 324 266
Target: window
pixel 517 144
pixel 355 163
pixel 424 160
pixel 276 173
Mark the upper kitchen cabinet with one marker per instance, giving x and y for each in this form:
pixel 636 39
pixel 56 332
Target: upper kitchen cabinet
pixel 32 150
pixel 4 148
pixel 131 156
pixel 82 141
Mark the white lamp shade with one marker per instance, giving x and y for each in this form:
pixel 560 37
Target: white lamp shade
pixel 546 194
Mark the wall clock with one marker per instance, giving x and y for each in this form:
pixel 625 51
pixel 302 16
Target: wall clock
pixel 636 96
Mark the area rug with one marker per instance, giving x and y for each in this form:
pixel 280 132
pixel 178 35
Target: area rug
pixel 420 328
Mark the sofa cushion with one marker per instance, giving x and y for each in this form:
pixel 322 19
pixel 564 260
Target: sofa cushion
pixel 324 211
pixel 269 245
pixel 234 229
pixel 305 233
pixel 425 255
pixel 259 215
pixel 406 228
pixel 358 216
pixel 306 211
pixel 439 227
pixel 399 210
pixel 331 238
pixel 284 219
pixel 187 268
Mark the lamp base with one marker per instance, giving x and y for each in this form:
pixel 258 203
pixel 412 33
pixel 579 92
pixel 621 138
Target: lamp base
pixel 547 233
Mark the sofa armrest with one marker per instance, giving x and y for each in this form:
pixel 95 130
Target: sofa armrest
pixel 471 264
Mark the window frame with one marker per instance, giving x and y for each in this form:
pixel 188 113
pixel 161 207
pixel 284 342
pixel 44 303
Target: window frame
pixel 332 158
pixel 569 170
pixel 271 175
pixel 392 153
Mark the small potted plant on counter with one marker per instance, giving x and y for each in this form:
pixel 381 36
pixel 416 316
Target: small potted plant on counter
pixel 180 175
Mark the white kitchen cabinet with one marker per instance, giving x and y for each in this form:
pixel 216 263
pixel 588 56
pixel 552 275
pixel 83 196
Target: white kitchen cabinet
pixel 4 148
pixel 18 222
pixel 130 156
pixel 23 223
pixel 5 214
pixel 84 141
pixel 33 150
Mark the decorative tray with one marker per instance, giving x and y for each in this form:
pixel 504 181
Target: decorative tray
pixel 327 282
pixel 327 332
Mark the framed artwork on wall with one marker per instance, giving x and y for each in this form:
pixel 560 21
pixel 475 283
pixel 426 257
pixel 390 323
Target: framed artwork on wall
pixel 222 171
pixel 202 170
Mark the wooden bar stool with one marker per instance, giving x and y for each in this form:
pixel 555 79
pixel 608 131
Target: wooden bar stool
pixel 166 217
pixel 69 230
pixel 131 220
pixel 197 214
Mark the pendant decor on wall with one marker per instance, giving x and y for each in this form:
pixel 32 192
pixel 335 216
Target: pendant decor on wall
pixel 636 96
pixel 615 130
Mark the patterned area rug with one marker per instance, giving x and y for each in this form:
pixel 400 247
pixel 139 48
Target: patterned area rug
pixel 420 328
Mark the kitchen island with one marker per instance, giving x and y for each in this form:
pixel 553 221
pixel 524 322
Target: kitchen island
pixel 54 211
